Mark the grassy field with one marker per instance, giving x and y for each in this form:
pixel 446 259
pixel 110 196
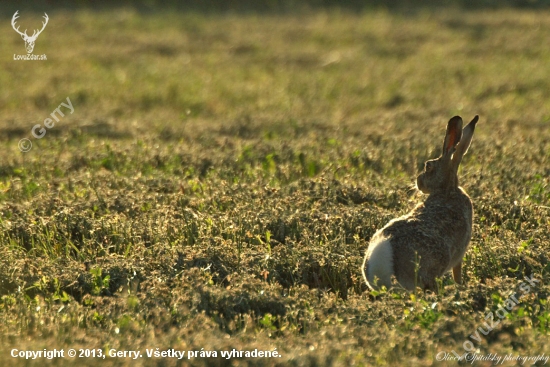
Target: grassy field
pixel 221 175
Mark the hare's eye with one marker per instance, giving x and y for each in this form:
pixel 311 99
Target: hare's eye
pixel 429 167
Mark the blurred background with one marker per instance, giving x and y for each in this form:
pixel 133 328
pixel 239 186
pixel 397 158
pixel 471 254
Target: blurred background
pixel 161 62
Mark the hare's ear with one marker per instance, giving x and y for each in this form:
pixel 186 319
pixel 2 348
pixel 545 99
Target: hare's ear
pixel 462 147
pixel 453 136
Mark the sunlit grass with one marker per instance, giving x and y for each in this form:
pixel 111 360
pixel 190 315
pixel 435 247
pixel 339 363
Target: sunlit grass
pixel 219 180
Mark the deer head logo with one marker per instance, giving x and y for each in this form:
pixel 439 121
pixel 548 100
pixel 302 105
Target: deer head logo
pixel 29 40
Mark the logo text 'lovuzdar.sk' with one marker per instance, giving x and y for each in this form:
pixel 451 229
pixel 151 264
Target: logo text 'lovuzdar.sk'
pixel 29 40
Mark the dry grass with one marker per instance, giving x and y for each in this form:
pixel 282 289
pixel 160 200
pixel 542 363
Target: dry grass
pixel 221 175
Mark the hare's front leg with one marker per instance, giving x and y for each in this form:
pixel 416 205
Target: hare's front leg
pixel 457 273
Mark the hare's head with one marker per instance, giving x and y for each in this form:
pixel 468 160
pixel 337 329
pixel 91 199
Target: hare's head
pixel 440 175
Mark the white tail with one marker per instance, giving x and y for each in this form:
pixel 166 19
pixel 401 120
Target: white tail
pixel 29 40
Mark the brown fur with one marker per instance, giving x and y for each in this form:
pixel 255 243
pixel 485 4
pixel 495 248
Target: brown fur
pixel 436 233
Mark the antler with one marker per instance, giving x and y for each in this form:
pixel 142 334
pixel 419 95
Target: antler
pixel 34 35
pixel 15 16
pixel 24 34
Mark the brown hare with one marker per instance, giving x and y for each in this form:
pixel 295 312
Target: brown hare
pixel 433 237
